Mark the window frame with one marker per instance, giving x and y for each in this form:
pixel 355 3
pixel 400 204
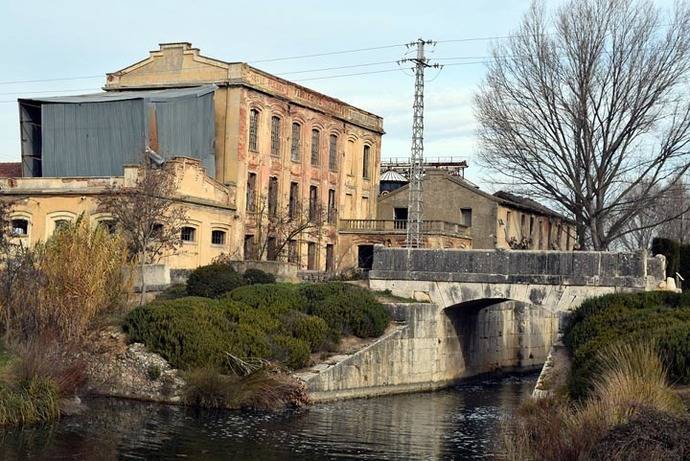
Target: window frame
pixel 193 230
pixel 275 135
pixel 366 161
pixel 333 152
pixel 13 228
pixel 223 233
pixel 315 157
pixel 296 142
pixel 253 135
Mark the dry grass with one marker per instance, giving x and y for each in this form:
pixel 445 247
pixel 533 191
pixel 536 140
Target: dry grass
pixel 632 378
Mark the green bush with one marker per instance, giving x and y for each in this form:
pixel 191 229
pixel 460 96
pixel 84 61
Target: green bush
pixel 313 330
pixel 213 280
pixel 178 290
pixel 671 250
pixel 34 401
pixel 290 351
pixel 660 317
pixel 278 296
pixel 257 276
pixel 684 264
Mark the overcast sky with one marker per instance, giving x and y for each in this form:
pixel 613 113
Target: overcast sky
pixel 66 39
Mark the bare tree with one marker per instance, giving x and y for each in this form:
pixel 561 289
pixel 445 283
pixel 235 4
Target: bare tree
pixel 276 227
pixel 148 214
pixel 588 110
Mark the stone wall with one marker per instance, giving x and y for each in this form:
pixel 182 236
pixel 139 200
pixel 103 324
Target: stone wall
pixel 433 348
pixel 631 270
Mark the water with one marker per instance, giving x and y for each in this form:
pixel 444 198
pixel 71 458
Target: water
pixel 459 423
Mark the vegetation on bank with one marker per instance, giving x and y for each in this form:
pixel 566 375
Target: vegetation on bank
pixel 627 349
pixel 662 318
pixel 51 296
pixel 237 342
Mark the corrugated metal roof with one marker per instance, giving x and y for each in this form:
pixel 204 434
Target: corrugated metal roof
pixel 391 175
pixel 109 96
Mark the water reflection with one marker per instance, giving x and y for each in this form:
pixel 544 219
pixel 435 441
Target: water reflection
pixel 458 423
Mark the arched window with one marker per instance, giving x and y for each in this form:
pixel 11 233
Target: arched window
pixel 218 237
pixel 295 144
pixel 254 130
pixel 60 223
pixel 366 161
pixel 315 146
pixel 20 227
pixel 108 224
pixel 188 234
pixel 333 152
pixel 275 136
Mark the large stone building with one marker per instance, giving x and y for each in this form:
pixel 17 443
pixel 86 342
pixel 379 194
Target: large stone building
pixel 457 214
pixel 260 140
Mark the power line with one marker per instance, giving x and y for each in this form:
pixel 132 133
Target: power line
pixel 331 53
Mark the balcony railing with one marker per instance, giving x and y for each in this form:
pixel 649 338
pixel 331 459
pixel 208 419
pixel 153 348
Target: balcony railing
pixel 399 226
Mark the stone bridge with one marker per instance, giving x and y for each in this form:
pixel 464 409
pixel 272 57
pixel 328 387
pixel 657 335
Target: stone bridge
pixel 477 311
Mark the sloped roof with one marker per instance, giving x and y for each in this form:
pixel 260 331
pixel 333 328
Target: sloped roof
pixel 153 95
pixel 10 169
pixel 528 203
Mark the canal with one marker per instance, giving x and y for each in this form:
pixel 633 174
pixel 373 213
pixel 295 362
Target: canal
pixel 463 422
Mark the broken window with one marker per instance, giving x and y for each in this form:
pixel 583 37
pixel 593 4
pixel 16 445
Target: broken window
pixel 251 192
pixel 311 256
pixel 295 144
pixel 108 224
pixel 188 234
pixel 248 247
pixel 20 227
pixel 253 130
pixel 466 216
pixel 313 202
pixel 60 223
pixel 275 136
pixel 271 249
pixel 333 152
pixel 218 237
pixel 315 146
pixel 272 196
pixel 331 206
pixel 330 258
pixel 365 162
pixel 293 253
pixel 294 200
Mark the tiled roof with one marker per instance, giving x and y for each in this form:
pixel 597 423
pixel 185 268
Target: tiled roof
pixel 10 169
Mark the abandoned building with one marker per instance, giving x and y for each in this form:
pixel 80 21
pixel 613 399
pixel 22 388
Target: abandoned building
pixel 243 141
pixel 457 214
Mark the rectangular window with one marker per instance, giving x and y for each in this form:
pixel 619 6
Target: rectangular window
pixel 272 196
pixel 466 216
pixel 365 207
pixel 365 162
pixel 271 249
pixel 293 253
pixel 349 206
pixel 330 258
pixel 188 234
pixel 251 192
pixel 509 216
pixel 20 227
pixel 248 247
pixel 294 200
pixel 253 130
pixel 295 141
pixel 331 206
pixel 275 136
pixel 315 146
pixel 333 152
pixel 400 214
pixel 313 202
pixel 218 237
pixel 311 256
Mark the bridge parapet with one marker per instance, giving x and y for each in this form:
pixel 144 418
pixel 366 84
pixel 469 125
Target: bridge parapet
pixel 581 268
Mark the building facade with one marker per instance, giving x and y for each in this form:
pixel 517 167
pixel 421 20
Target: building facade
pixel 274 143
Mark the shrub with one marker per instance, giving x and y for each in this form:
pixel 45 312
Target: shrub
pixel 178 290
pixel 257 276
pixel 153 372
pixel 34 401
pixel 213 280
pixel 671 250
pixel 313 330
pixel 661 317
pixel 279 296
pixel 290 351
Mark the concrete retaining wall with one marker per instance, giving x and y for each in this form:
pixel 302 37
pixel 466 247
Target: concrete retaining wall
pixel 435 348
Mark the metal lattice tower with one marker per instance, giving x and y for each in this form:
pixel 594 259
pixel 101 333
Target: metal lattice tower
pixel 414 208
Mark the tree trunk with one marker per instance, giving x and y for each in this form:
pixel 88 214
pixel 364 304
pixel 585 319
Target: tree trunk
pixel 143 280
